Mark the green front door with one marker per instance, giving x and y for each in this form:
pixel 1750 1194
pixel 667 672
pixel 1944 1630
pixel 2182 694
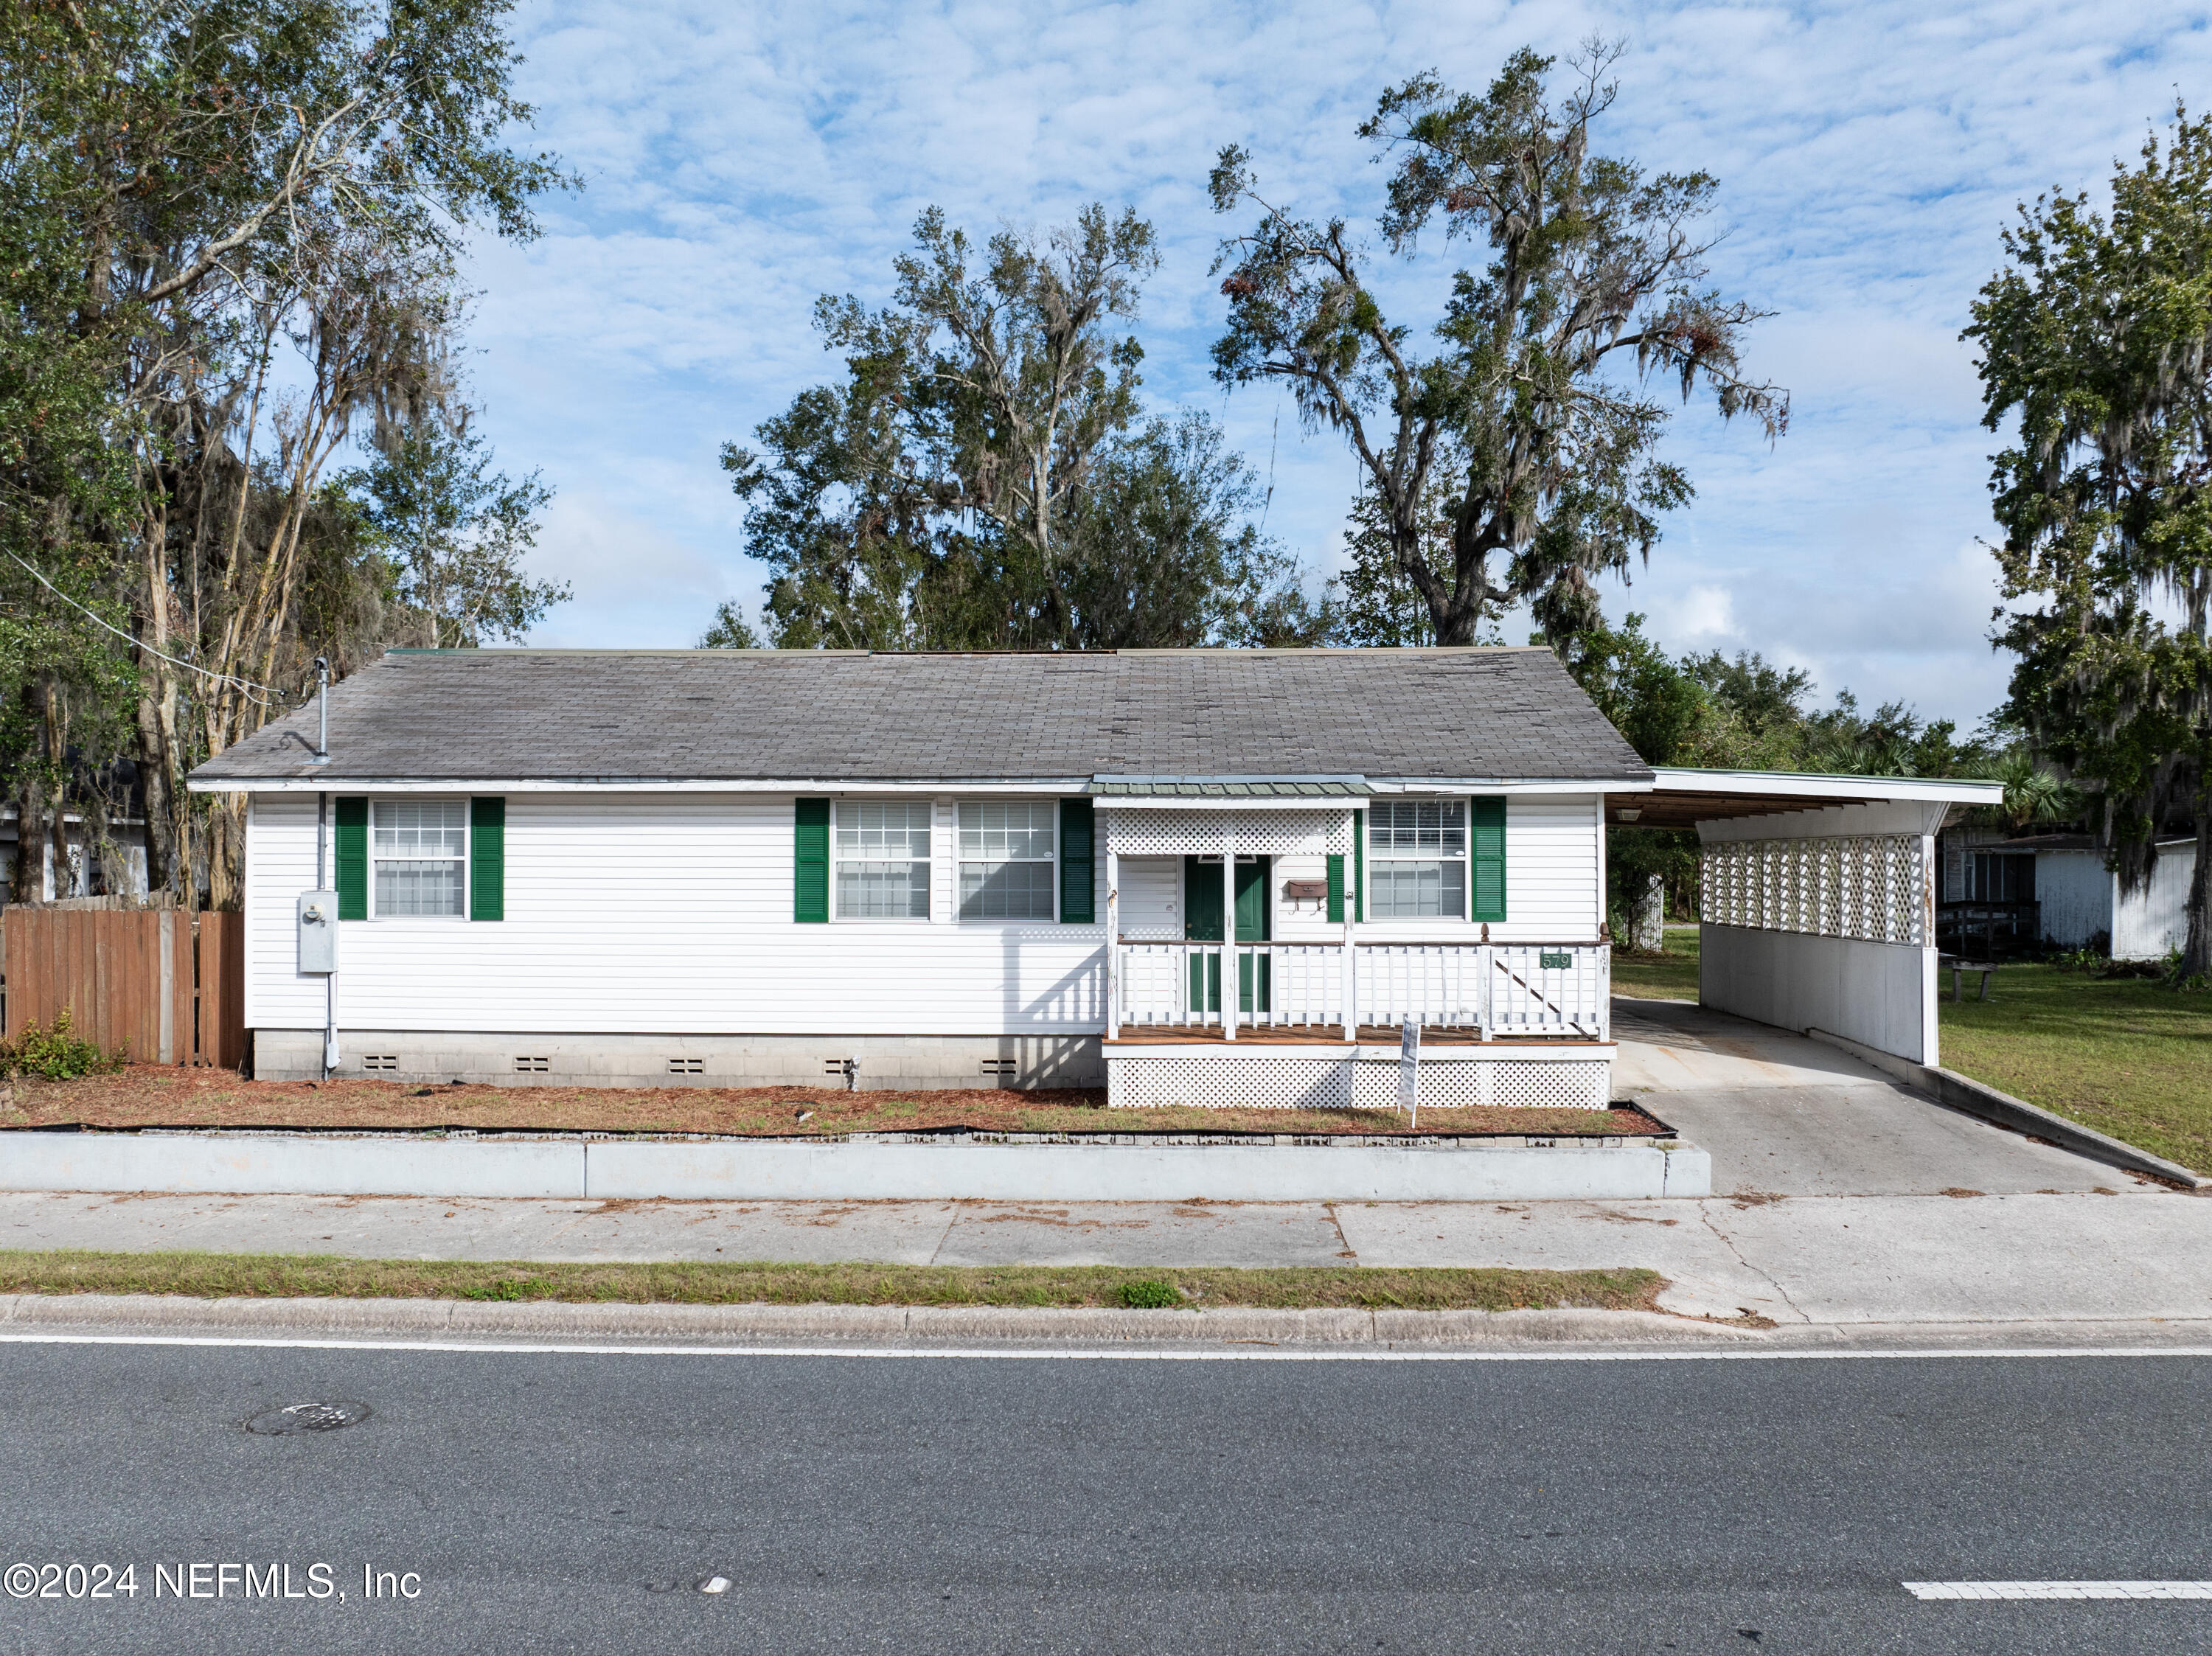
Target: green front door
pixel 1202 923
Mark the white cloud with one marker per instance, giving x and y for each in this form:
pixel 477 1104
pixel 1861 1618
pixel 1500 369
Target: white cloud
pixel 739 160
pixel 1697 616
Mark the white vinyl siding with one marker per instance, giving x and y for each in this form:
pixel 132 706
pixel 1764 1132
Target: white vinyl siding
pixel 646 913
pixel 1417 859
pixel 418 858
pixel 1554 874
pixel 1152 897
pixel 882 857
pixel 1008 869
pixel 2074 889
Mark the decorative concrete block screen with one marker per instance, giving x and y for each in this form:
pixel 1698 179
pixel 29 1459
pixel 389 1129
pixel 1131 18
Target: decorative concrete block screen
pixel 1871 887
pixel 1256 833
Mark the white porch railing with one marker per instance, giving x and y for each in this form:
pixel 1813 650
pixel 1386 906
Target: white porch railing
pixel 1497 989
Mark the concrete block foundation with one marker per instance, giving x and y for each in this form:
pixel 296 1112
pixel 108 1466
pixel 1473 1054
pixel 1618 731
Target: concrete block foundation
pixel 879 1063
pixel 959 1169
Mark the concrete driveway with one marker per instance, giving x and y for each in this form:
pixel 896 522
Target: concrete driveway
pixel 1788 1116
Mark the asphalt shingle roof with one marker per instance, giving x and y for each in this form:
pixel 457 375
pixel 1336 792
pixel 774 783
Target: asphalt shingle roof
pixel 765 715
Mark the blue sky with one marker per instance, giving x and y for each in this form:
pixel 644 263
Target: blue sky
pixel 740 160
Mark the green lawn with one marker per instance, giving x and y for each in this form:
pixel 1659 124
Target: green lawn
pixel 2119 1054
pixel 1670 976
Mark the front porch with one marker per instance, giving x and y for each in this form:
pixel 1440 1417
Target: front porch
pixel 1468 991
pixel 1273 988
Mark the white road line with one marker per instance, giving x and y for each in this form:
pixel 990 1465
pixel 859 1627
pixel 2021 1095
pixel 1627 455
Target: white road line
pixel 1996 1590
pixel 1091 1354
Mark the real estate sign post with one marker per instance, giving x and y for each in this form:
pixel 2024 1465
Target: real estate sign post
pixel 1409 1070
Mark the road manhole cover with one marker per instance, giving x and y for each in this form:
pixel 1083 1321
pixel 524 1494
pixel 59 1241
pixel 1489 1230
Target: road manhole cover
pixel 294 1418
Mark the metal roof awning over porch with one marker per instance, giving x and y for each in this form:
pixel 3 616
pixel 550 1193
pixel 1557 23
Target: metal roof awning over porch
pixel 1682 799
pixel 1175 790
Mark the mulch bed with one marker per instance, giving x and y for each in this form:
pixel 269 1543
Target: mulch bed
pixel 155 1096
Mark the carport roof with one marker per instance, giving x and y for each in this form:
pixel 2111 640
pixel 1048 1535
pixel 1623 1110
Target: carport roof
pixel 1681 797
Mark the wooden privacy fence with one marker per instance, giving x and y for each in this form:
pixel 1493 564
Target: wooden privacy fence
pixel 167 987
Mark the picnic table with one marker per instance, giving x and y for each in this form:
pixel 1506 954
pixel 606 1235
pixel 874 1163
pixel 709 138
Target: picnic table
pixel 1958 967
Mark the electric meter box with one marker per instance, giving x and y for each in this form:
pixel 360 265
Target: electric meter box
pixel 318 932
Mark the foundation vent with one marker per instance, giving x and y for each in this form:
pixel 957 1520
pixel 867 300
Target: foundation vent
pixel 532 1066
pixel 687 1067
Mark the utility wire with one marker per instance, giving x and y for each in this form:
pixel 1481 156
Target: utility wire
pixel 220 678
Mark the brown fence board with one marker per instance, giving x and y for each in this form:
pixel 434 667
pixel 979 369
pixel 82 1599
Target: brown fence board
pixel 121 975
pixel 222 990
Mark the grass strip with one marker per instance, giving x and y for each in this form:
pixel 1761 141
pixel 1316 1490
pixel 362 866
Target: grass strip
pixel 283 1275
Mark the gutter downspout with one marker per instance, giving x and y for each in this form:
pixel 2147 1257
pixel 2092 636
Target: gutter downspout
pixel 322 855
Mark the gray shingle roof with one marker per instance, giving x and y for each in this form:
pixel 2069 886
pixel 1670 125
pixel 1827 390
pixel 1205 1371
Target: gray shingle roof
pixel 763 715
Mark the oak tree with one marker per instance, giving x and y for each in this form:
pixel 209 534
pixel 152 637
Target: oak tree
pixel 1522 407
pixel 2096 347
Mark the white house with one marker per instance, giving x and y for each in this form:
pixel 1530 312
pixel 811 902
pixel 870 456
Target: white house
pixel 2079 901
pixel 112 864
pixel 751 867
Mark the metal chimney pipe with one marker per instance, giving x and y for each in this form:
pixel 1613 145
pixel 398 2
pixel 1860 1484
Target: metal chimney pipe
pixel 323 702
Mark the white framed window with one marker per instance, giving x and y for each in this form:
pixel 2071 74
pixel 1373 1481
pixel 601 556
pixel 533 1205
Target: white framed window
pixel 1008 861
pixel 418 855
pixel 1417 859
pixel 882 854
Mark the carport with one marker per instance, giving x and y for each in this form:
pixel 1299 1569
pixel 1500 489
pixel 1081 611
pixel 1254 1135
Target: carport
pixel 1817 904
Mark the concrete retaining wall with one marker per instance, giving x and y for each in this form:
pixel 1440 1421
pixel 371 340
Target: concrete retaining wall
pixel 252 1166
pixel 907 1063
pixel 1882 995
pixel 767 1170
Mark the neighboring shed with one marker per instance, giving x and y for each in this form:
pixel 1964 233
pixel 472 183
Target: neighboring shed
pixel 2080 903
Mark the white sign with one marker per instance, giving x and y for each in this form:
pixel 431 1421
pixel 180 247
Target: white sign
pixel 1409 1067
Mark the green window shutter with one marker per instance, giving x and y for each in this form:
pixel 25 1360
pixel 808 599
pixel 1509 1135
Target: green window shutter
pixel 1359 865
pixel 810 861
pixel 1486 858
pixel 1077 858
pixel 353 857
pixel 488 858
pixel 1336 888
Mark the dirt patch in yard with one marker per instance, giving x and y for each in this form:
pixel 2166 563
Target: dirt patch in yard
pixel 155 1095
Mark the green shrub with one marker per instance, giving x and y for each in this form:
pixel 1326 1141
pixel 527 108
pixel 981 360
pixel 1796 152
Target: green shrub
pixel 56 1054
pixel 1151 1295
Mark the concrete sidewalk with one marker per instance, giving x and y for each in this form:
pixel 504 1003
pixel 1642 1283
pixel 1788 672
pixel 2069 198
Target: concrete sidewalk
pixel 1854 1203
pixel 1808 1260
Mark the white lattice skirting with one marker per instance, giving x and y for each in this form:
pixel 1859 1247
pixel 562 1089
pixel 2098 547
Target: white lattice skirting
pixel 1549 1081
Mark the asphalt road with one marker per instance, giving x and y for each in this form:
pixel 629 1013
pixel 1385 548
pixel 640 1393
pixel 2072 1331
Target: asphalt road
pixel 573 1502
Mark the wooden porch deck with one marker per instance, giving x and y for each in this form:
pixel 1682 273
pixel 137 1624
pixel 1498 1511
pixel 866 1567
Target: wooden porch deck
pixel 1324 1035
